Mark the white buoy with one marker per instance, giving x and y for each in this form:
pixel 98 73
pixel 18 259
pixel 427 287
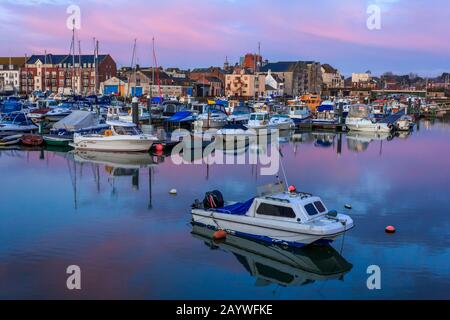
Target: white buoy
pixel 348 206
pixel 173 191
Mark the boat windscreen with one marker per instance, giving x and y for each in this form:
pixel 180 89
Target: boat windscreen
pixel 359 111
pixel 126 131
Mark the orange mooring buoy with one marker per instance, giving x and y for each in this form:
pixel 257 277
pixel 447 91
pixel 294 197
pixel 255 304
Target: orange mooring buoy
pixel 159 147
pixel 390 229
pixel 219 234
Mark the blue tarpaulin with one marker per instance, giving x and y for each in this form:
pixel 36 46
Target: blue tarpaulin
pixel 179 116
pixel 157 100
pixel 323 108
pixel 239 208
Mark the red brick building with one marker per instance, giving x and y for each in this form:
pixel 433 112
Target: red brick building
pixel 252 61
pixel 66 74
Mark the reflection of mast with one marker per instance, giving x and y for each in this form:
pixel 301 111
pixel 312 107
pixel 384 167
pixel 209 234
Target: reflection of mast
pixel 339 146
pixel 381 147
pixel 150 204
pixel 73 178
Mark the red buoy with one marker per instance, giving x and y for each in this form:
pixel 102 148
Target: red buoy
pixel 390 229
pixel 159 147
pixel 292 189
pixel 219 234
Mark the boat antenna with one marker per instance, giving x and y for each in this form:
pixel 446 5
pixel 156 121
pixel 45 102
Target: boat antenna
pixel 282 167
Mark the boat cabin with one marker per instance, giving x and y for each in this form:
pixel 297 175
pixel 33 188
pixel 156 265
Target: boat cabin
pixel 289 207
pixel 120 128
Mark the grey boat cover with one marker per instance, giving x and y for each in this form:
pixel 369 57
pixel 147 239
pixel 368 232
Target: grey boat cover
pixel 77 120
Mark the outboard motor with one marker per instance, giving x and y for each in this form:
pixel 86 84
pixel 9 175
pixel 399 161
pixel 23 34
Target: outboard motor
pixel 213 200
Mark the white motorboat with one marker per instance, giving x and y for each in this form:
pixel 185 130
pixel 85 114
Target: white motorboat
pixel 359 119
pixel 258 120
pixel 16 123
pixel 288 218
pixel 58 113
pixel 405 123
pixel 213 116
pixel 240 114
pixel 281 122
pixel 299 112
pixel 122 137
pixel 325 114
pixel 286 266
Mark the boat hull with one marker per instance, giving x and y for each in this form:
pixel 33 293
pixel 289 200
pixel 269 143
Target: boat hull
pixel 367 125
pixel 108 144
pixel 238 227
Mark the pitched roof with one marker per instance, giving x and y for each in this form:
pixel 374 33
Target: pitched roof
pixel 49 58
pixel 149 74
pixel 328 68
pixel 86 58
pixel 64 58
pixel 282 66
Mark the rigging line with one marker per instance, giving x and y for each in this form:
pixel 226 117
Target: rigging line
pixel 282 167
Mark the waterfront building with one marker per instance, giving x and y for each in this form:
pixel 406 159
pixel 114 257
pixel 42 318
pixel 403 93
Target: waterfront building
pixel 66 74
pixel 245 84
pixel 10 74
pixel 299 77
pixel 274 85
pixel 331 77
pixel 115 85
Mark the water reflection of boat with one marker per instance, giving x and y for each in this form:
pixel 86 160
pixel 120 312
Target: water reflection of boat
pixel 359 141
pixel 272 264
pixel 114 159
pixel 323 140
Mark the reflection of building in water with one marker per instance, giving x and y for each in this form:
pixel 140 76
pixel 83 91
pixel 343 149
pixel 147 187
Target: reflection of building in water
pixel 359 141
pixel 272 264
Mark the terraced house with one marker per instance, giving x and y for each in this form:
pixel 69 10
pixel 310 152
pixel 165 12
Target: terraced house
pixel 10 74
pixel 66 74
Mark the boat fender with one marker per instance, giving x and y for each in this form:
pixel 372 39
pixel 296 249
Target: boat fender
pixel 159 147
pixel 219 234
pixel 390 229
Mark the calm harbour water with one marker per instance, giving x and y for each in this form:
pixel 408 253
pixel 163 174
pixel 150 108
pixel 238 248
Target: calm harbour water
pixel 132 239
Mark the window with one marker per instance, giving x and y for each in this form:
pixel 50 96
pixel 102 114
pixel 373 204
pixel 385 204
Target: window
pixel 275 211
pixel 319 206
pixel 125 131
pixel 311 209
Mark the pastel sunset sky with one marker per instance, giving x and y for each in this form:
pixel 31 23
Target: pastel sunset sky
pixel 414 34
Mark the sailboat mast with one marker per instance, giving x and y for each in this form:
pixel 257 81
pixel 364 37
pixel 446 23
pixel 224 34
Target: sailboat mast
pixel 79 82
pixel 73 57
pixel 45 70
pixel 156 65
pixel 132 64
pixel 96 66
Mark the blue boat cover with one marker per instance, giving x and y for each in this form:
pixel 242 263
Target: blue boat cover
pixel 179 116
pixel 239 208
pixel 325 107
pixel 157 100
